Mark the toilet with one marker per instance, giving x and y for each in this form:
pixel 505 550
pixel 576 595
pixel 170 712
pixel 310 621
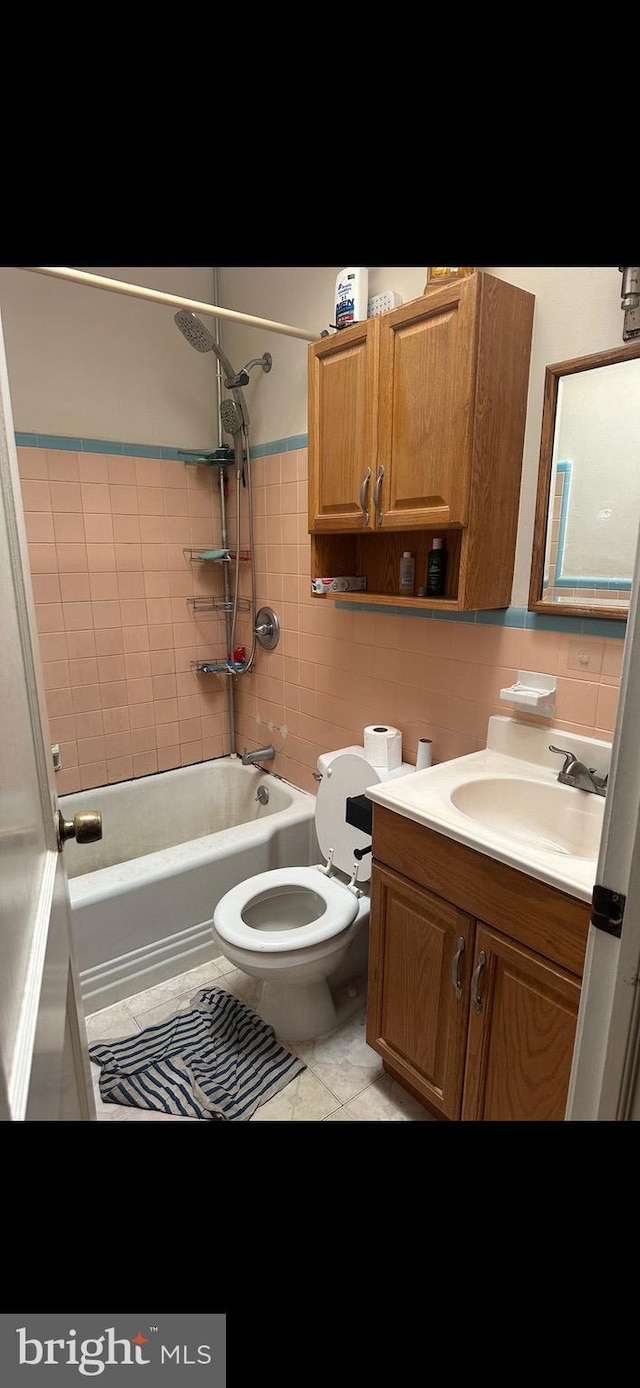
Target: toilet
pixel 296 928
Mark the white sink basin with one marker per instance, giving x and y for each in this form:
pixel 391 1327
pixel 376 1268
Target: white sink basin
pixel 506 801
pixel 554 818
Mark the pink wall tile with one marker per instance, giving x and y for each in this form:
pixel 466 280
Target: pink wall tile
pixel 126 529
pixel 145 763
pixel 74 589
pixel 32 462
pixel 62 466
pixel 109 641
pixel 39 527
pixel 43 558
pixel 84 671
pixel 95 497
pixel 72 558
pixel 93 775
pixel 110 579
pixel 65 496
pixel 124 500
pixel 607 707
pixel 89 725
pixel 148 472
pixel 98 528
pixel 121 471
pixel 117 720
pixel 36 495
pixel 92 467
pixel 46 587
pixel 100 558
pixel 69 527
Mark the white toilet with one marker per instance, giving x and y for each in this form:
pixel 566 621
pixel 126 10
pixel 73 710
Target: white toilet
pixel 294 927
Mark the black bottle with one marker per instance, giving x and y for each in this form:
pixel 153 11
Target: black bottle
pixel 436 570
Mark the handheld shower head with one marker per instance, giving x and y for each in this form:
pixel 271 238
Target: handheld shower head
pixel 231 417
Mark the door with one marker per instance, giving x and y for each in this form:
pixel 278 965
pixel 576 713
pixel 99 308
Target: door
pixel 418 994
pixel 522 1026
pixel 605 1076
pixel 343 405
pixel 44 1067
pixel 427 381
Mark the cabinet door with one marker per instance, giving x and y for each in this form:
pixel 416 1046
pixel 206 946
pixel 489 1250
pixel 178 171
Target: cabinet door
pixel 343 379
pixel 522 1027
pixel 418 999
pixel 427 374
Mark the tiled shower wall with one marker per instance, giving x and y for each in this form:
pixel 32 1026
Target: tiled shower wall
pixel 111 584
pixel 106 537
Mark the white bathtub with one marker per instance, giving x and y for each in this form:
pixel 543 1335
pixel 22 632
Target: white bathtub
pixel 143 897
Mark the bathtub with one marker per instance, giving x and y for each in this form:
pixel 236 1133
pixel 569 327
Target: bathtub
pixel 172 844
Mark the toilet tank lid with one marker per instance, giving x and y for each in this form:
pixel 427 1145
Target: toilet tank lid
pixel 325 759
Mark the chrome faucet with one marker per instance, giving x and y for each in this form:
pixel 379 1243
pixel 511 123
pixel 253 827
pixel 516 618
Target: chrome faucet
pixel 258 754
pixel 575 773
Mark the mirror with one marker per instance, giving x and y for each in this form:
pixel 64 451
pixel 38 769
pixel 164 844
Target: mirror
pixel 588 504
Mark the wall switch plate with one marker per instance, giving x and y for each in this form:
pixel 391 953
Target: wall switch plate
pixel 381 303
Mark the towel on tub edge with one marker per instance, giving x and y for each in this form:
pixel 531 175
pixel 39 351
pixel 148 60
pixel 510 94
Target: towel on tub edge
pixel 217 1061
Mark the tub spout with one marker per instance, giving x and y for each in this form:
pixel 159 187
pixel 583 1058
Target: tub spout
pixel 257 755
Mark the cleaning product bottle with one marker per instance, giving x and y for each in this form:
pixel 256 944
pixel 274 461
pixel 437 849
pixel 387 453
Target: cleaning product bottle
pixel 407 573
pixel 352 295
pixel 436 570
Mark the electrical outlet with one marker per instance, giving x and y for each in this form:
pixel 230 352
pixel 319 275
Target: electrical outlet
pixel 381 303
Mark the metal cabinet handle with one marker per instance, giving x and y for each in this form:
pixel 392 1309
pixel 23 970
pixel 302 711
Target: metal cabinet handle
pixel 363 496
pixel 475 981
pixel 376 495
pixel 455 965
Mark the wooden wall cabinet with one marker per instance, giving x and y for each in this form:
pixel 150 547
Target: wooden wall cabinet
pixel 416 429
pixel 475 974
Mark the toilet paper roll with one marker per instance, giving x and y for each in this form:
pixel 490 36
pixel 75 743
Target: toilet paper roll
pixel 383 747
pixel 423 758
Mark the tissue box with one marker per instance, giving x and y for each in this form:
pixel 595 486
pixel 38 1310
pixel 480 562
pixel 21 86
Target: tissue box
pixel 344 584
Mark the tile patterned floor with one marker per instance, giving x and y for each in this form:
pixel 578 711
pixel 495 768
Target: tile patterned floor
pixel 344 1080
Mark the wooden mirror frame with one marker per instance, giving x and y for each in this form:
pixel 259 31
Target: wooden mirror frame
pixel 552 376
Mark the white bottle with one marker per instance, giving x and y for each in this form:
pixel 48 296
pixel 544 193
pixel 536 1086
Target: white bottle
pixel 352 296
pixel 407 572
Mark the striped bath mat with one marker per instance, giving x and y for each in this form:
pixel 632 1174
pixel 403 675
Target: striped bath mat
pixel 216 1061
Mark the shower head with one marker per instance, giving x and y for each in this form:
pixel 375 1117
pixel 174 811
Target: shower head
pixel 195 332
pixel 199 337
pixel 231 417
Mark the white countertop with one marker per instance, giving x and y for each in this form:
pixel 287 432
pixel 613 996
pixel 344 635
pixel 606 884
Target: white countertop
pixel 425 797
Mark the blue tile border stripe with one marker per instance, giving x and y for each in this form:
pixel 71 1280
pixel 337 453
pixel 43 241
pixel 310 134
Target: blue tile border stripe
pixel 500 617
pixel 143 450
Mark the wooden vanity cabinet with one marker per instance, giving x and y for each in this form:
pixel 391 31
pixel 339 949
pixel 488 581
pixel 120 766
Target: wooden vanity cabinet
pixel 416 425
pixel 475 974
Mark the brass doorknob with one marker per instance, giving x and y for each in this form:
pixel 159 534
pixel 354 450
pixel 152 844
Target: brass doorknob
pixel 84 828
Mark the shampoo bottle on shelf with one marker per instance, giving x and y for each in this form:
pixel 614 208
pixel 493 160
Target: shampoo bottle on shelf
pixel 436 570
pixel 407 573
pixel 352 295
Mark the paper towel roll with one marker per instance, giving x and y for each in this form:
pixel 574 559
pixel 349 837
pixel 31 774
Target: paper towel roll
pixel 423 758
pixel 383 747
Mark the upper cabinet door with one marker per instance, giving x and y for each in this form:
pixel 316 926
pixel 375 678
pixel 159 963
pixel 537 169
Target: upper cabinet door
pixel 425 422
pixel 343 382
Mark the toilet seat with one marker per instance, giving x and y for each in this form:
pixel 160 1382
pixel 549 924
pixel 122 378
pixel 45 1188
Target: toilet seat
pixel 340 910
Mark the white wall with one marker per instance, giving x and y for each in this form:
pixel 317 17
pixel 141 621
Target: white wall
pixel 90 364
pixel 87 363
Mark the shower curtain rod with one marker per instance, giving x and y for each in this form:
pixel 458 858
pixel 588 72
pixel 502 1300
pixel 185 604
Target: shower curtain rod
pixel 138 291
